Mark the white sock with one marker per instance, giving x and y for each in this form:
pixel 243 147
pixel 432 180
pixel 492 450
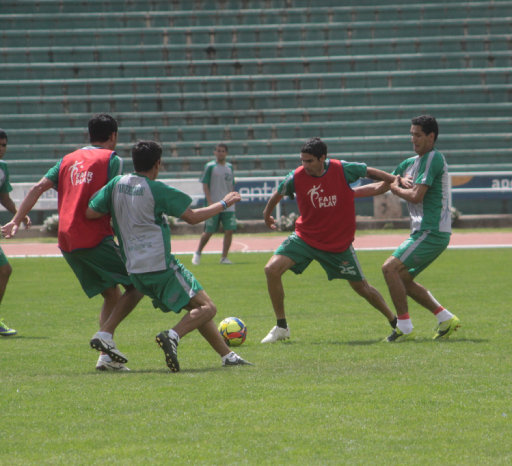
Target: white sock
pixel 104 335
pixel 228 356
pixel 174 335
pixel 444 315
pixel 404 325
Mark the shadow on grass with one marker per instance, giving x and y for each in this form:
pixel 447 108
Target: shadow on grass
pixel 166 371
pixel 17 337
pixel 418 340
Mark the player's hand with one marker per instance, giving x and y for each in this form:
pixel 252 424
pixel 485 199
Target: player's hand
pixel 9 229
pixel 270 222
pixel 26 221
pixel 231 198
pixel 406 182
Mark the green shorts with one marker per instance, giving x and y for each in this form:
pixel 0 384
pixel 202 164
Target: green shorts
pixel 421 249
pixel 228 220
pixel 3 258
pixel 336 264
pixel 98 268
pixel 171 289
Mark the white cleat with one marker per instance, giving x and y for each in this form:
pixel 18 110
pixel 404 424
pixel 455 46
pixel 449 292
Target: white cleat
pixel 196 258
pixel 233 359
pixel 226 261
pixel 276 334
pixel 106 364
pixel 107 346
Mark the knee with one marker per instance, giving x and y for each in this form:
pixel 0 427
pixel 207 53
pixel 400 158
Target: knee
pixel 210 310
pixel 271 271
pixel 389 268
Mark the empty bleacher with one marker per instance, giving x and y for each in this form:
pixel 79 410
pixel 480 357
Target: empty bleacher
pixel 262 76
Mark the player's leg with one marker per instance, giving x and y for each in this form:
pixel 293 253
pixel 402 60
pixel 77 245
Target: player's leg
pixel 229 223
pixel 372 295
pixel 226 245
pixel 274 270
pixel 345 265
pixel 293 254
pixel 210 227
pixel 124 304
pixel 5 273
pixel 395 275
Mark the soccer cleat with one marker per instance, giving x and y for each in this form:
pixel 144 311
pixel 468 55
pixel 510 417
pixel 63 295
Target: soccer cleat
pixel 170 347
pixel 232 359
pixel 5 331
pixel 276 334
pixel 226 261
pixel 446 328
pixel 398 336
pixel 106 364
pixel 196 258
pixel 109 347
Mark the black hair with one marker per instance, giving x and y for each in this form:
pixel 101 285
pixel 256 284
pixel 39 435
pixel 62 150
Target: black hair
pixel 101 126
pixel 221 144
pixel 145 154
pixel 428 124
pixel 3 134
pixel 315 146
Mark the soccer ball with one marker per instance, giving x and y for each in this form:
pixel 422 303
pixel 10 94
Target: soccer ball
pixel 233 330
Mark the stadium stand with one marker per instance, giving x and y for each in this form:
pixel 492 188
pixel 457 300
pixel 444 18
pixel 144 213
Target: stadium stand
pixel 261 76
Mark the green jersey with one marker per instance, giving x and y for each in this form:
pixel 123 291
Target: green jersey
pixel 138 207
pixel 433 213
pixel 5 186
pixel 220 180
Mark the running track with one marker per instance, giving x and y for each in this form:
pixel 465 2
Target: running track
pixel 259 243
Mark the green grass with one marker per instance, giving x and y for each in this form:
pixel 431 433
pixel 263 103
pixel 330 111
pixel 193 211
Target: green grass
pixel 333 394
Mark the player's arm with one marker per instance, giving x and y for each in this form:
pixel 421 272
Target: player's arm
pixel 10 229
pixel 371 189
pixel 270 221
pixel 92 214
pixel 8 203
pixel 194 216
pixel 414 195
pixel 374 189
pixel 99 203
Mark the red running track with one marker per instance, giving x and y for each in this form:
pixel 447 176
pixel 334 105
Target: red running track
pixel 268 243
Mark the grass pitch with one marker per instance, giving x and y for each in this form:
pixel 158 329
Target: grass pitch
pixel 333 394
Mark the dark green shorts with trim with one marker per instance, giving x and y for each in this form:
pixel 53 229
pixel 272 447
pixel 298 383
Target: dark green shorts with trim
pixel 421 249
pixel 98 268
pixel 228 220
pixel 171 289
pixel 342 265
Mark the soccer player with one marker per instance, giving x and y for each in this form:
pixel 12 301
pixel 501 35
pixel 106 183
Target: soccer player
pixel 324 231
pixel 7 202
pixel 88 246
pixel 218 180
pixel 138 205
pixel 422 180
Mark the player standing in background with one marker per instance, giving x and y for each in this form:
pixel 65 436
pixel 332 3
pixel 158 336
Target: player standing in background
pixel 218 180
pixel 138 205
pixel 88 246
pixel 324 231
pixel 6 201
pixel 428 202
